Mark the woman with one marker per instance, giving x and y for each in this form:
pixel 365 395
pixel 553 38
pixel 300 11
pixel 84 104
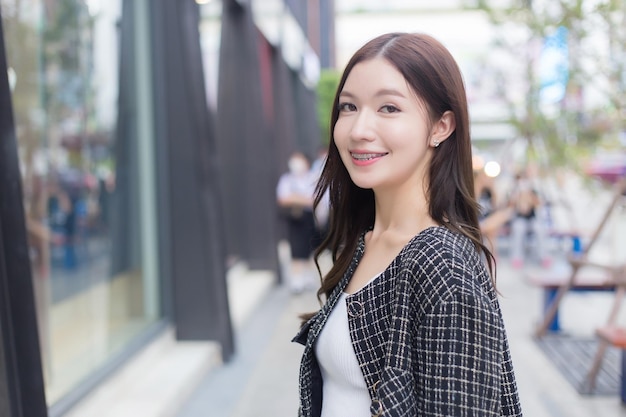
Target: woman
pixel 411 325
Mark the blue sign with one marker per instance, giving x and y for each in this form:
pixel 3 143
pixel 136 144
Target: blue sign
pixel 554 67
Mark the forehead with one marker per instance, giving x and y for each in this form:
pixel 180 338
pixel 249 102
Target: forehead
pixel 373 74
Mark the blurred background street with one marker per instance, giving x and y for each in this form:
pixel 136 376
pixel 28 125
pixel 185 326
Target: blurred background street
pixel 144 263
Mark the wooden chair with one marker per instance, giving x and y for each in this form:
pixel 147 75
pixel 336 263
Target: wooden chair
pixel 606 334
pixel 609 335
pixel 582 259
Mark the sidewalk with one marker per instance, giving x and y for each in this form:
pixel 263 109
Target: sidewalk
pixel 262 378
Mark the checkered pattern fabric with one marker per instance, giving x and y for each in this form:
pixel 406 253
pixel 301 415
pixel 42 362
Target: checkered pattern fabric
pixel 428 335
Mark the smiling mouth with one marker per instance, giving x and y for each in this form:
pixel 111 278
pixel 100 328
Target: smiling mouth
pixel 366 156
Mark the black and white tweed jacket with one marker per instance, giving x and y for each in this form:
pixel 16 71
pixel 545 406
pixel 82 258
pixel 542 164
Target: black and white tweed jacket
pixel 428 335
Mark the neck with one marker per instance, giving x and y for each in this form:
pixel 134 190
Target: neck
pixel 403 213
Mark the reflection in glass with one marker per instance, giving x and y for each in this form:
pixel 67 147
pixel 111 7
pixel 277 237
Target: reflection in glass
pixel 88 271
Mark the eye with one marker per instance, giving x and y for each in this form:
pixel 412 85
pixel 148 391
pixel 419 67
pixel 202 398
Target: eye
pixel 345 107
pixel 388 108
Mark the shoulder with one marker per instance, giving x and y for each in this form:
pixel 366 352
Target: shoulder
pixel 442 244
pixel 439 263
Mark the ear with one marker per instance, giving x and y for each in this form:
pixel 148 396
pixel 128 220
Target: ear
pixel 443 128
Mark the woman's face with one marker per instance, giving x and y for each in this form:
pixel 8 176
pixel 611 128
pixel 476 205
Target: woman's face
pixel 382 132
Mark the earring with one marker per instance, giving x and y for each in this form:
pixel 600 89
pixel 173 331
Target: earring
pixel 436 143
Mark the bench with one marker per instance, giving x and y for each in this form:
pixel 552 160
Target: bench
pixel 551 280
pixel 616 336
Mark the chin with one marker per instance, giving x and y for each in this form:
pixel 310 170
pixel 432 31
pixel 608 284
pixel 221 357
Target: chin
pixel 366 185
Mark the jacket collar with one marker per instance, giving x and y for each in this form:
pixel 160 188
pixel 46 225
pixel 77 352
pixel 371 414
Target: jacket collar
pixel 311 329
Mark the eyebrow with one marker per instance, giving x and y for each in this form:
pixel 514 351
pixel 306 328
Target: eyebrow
pixel 381 92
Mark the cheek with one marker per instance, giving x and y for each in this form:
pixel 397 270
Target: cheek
pixel 412 135
pixel 340 135
pixel 341 140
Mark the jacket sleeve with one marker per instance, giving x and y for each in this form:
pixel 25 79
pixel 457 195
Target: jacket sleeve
pixel 459 355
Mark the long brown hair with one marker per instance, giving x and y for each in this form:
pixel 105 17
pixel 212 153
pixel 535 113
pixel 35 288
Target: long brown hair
pixel 435 77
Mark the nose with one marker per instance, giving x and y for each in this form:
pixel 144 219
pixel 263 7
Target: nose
pixel 363 126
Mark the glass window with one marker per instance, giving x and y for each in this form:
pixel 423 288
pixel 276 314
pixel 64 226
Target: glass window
pixel 88 191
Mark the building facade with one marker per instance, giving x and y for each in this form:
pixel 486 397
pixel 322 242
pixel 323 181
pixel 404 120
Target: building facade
pixel 141 144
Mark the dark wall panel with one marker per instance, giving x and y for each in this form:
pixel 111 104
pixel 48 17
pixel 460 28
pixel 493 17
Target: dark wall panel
pixel 21 378
pixel 125 254
pixel 186 137
pixel 245 149
pixel 284 98
pixel 299 10
pixel 327 33
pixel 309 139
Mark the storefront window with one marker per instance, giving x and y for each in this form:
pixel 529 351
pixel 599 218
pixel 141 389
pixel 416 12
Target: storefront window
pixel 88 190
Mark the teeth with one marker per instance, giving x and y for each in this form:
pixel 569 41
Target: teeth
pixel 366 156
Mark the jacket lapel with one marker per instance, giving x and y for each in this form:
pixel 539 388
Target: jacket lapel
pixel 312 328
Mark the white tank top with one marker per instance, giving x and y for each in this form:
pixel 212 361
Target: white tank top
pixel 344 389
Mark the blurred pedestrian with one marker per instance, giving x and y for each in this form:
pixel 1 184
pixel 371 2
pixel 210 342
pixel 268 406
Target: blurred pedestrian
pixel 294 194
pixel 526 224
pixel 492 214
pixel 411 324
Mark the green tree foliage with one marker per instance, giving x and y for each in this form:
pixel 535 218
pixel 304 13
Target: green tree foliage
pixel 326 88
pixel 565 131
pixel 67 49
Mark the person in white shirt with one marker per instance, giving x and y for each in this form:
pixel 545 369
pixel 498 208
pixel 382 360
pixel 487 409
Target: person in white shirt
pixel 294 194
